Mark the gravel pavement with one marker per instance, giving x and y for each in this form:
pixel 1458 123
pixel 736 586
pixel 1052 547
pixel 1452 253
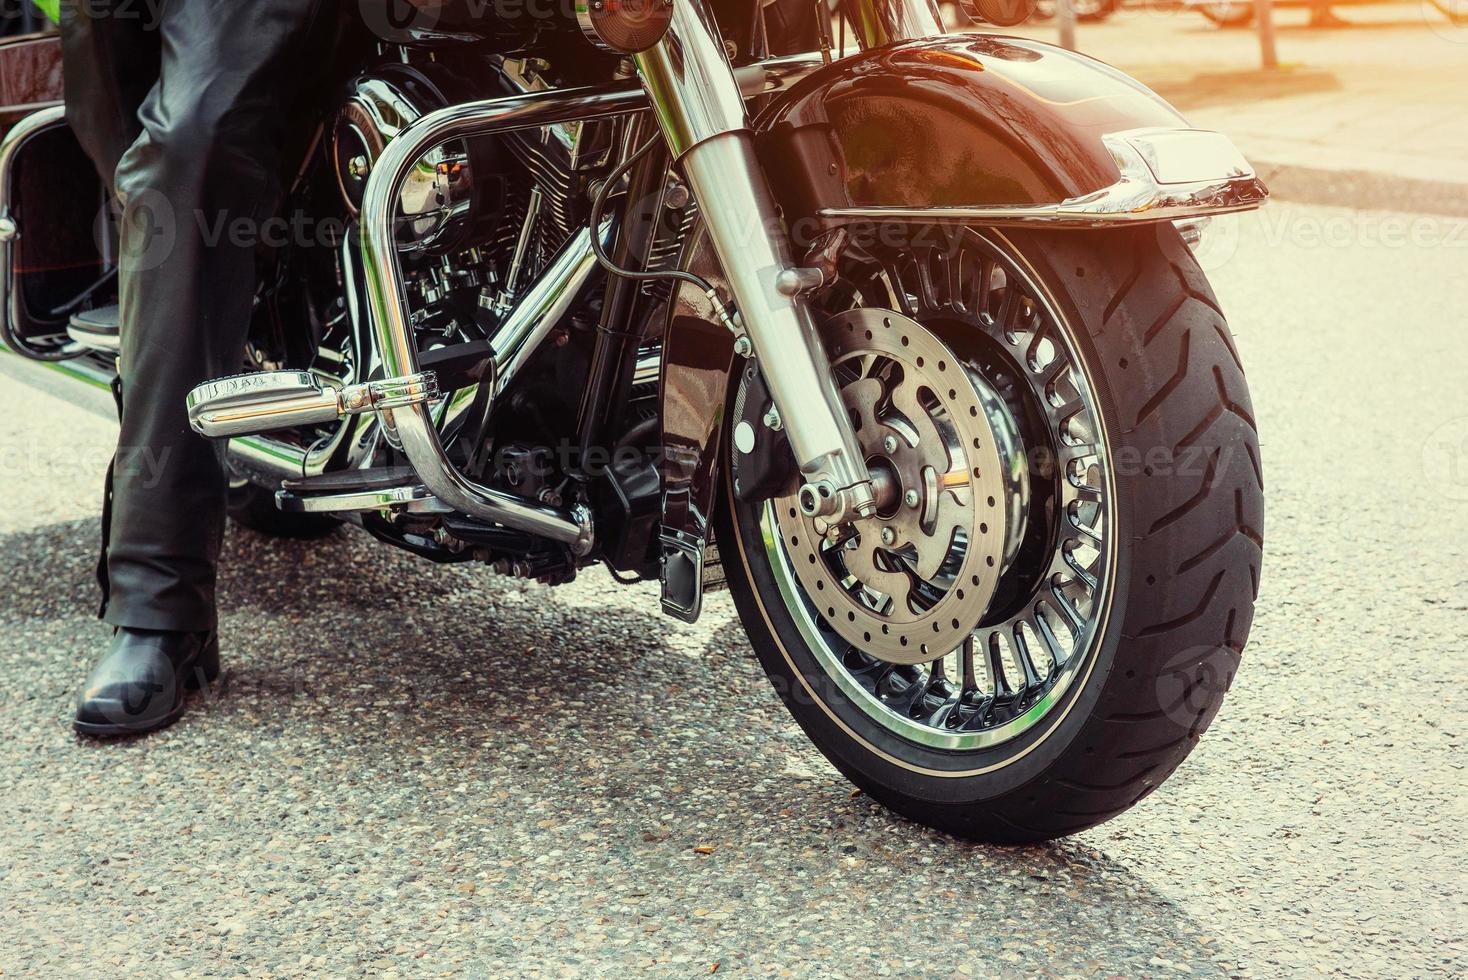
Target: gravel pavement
pixel 414 770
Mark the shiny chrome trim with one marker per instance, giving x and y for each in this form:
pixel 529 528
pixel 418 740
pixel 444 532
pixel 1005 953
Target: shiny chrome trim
pixel 543 304
pixel 649 368
pixel 357 433
pixel 1208 176
pixel 38 121
pixel 413 499
pixel 393 336
pixel 412 389
pixel 776 74
pixel 248 404
pixel 505 301
pixel 698 101
pixel 691 85
pixel 520 73
pixel 270 460
pixel 748 238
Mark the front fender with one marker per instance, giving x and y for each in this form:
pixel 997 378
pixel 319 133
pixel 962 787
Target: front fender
pixel 989 130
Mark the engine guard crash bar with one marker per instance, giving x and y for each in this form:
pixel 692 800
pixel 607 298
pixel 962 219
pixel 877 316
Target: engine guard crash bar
pixel 412 425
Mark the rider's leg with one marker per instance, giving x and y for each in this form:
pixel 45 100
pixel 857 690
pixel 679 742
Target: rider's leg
pixel 110 53
pixel 195 186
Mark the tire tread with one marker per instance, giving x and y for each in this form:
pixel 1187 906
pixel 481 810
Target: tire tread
pixel 1135 741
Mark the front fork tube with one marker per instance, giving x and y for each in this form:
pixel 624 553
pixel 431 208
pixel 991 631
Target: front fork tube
pixel 701 111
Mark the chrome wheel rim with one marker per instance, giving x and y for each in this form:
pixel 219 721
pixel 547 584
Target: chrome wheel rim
pixel 1012 663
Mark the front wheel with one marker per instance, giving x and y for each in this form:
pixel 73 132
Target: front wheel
pixel 1046 612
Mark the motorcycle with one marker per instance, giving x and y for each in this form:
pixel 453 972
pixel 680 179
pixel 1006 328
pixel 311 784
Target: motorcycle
pixel 904 346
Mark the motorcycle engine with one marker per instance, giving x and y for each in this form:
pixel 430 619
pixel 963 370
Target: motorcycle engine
pixel 469 192
pixel 482 214
pixel 447 193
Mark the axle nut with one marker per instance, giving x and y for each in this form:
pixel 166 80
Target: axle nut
pixel 817 499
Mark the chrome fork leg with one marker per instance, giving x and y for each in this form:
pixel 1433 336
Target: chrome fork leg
pixel 698 103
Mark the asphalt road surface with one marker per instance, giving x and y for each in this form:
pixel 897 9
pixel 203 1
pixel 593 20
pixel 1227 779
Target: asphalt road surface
pixel 417 770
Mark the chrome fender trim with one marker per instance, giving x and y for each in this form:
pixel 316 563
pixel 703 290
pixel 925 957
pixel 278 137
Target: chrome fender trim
pixel 995 131
pixel 1166 175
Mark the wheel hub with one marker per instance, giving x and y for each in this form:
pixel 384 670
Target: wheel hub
pixel 914 581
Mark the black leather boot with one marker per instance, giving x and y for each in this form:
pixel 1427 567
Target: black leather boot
pixel 139 685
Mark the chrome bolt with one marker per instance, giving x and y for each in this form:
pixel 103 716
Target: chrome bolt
pixel 889 445
pixel 818 499
pixel 772 419
pixel 889 536
pixel 743 346
pixel 359 166
pixel 911 498
pixel 677 195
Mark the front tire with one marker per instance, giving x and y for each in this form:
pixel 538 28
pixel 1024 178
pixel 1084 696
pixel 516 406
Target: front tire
pixel 1173 589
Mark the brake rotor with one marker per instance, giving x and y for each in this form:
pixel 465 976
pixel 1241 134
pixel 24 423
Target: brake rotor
pixel 913 582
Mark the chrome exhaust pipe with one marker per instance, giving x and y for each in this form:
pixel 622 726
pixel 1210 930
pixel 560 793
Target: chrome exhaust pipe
pixel 268 460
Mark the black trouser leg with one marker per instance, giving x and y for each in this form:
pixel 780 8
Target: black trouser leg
pixel 110 53
pixel 195 185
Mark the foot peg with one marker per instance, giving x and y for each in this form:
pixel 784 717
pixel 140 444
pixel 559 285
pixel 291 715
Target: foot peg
pixel 247 404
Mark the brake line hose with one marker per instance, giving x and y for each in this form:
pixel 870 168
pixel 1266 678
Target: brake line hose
pixel 598 207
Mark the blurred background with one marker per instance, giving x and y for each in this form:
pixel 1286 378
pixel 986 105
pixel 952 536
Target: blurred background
pixel 1362 104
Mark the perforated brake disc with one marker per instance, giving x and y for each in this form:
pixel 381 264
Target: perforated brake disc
pixel 911 583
